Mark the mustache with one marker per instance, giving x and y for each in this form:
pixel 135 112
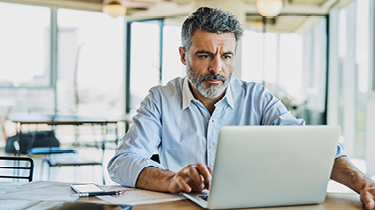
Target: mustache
pixel 212 77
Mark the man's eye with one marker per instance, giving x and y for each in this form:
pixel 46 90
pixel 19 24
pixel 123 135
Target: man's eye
pixel 204 56
pixel 227 57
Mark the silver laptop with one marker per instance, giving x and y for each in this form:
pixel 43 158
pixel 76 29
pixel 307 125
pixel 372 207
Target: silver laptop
pixel 263 166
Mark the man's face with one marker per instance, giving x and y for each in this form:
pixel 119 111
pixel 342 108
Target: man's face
pixel 210 62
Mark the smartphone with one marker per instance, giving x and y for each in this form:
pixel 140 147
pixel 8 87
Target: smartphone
pixel 86 188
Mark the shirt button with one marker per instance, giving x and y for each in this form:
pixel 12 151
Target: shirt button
pixel 212 146
pixel 208 121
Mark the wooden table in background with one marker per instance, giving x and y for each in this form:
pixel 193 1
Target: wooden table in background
pixel 75 120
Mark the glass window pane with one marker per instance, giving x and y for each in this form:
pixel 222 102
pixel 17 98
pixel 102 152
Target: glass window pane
pixel 24 45
pixel 291 51
pixel 342 33
pixel 271 58
pixel 252 56
pixel 287 57
pixel 362 44
pixel 145 57
pixel 172 66
pixel 362 59
pixel 90 63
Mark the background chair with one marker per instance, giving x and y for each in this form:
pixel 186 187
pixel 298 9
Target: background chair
pixel 71 160
pixel 6 167
pixel 76 158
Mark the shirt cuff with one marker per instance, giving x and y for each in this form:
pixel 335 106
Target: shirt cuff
pixel 340 150
pixel 125 169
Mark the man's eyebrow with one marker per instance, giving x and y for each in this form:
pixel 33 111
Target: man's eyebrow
pixel 210 53
pixel 203 52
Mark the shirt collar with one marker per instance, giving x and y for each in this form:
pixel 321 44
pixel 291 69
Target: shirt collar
pixel 187 95
pixel 229 96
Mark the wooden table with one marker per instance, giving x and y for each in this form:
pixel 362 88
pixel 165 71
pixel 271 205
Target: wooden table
pixel 333 201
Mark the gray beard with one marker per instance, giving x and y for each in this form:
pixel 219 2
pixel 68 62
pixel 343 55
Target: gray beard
pixel 213 91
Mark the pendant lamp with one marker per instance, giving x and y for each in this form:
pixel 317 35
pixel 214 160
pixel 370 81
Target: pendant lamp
pixel 269 7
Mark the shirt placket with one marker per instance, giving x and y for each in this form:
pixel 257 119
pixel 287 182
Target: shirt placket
pixel 212 134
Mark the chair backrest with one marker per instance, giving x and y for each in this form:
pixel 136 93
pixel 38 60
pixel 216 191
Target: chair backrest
pixel 15 167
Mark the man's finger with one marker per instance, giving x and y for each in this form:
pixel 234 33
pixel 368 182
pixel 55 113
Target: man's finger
pixel 370 204
pixel 210 169
pixel 180 180
pixel 368 200
pixel 204 171
pixel 194 174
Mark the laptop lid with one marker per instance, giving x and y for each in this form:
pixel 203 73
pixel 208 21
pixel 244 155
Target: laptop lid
pixel 260 166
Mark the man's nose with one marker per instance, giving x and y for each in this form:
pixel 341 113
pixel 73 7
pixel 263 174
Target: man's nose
pixel 215 65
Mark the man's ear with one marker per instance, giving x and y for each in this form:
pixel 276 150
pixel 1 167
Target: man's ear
pixel 182 52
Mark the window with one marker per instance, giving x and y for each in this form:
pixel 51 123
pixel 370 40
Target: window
pixel 144 60
pixel 88 77
pixel 172 66
pixel 90 63
pixel 25 71
pixel 153 60
pixel 252 55
pixel 352 81
pixel 24 46
pixel 290 60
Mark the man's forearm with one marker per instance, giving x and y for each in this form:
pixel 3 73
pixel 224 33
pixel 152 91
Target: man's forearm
pixel 152 178
pixel 346 173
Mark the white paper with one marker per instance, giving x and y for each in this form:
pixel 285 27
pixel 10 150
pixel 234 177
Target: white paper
pixel 41 190
pixel 134 196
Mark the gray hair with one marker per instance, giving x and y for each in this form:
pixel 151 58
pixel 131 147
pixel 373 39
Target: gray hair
pixel 211 20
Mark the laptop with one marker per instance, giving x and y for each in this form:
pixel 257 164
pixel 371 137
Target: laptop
pixel 265 166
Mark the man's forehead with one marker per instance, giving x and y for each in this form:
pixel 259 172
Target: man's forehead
pixel 200 32
pixel 202 40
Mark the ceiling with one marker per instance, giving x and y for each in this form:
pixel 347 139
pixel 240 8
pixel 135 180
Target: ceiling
pixel 167 8
pixel 142 6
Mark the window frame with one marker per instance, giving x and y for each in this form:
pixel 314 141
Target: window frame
pixel 128 57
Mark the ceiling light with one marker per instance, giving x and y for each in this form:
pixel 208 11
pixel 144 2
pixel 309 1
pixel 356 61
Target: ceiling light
pixel 269 7
pixel 114 9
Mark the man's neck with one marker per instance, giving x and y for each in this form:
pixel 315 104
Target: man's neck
pixel 209 103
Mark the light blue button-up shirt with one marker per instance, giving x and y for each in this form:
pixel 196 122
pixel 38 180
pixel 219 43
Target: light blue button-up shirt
pixel 183 131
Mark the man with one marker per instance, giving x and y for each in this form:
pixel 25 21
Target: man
pixel 182 118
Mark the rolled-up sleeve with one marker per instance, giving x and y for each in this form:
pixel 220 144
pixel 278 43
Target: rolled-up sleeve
pixel 340 150
pixel 138 144
pixel 272 110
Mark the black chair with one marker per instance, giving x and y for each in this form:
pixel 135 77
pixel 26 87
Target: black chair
pixel 155 157
pixel 6 166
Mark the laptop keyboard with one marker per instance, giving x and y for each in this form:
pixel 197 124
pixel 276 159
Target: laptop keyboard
pixel 204 197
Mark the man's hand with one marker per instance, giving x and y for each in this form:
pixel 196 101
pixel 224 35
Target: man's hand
pixel 346 173
pixel 367 196
pixel 194 177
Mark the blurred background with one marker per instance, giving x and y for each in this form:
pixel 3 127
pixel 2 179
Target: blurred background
pixel 68 57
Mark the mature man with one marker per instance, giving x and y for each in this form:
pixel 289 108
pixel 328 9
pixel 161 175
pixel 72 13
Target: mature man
pixel 182 118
